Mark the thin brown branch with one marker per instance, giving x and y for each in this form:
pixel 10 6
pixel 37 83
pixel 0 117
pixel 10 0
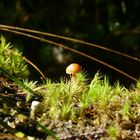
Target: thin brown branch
pixel 33 65
pixel 72 50
pixel 71 39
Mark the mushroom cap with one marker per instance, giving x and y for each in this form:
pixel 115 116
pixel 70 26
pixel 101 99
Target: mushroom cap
pixel 73 68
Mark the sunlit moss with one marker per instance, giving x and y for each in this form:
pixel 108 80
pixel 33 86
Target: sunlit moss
pixel 11 60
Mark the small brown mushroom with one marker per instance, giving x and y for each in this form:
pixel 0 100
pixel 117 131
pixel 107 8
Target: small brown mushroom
pixel 73 69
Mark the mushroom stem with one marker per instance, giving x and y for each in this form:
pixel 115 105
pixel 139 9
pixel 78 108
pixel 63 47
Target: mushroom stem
pixel 74 77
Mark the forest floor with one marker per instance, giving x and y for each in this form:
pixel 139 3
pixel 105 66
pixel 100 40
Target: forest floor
pixel 107 128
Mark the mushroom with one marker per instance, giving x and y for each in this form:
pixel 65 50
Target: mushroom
pixel 73 69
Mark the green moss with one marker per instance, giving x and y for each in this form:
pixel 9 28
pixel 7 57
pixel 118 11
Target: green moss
pixel 11 60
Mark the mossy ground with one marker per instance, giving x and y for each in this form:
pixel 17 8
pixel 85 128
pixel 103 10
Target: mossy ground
pixel 96 110
pixel 72 109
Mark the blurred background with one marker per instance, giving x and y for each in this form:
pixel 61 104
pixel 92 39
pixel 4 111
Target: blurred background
pixel 111 23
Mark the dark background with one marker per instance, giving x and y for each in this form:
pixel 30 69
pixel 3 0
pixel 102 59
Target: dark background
pixel 112 23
